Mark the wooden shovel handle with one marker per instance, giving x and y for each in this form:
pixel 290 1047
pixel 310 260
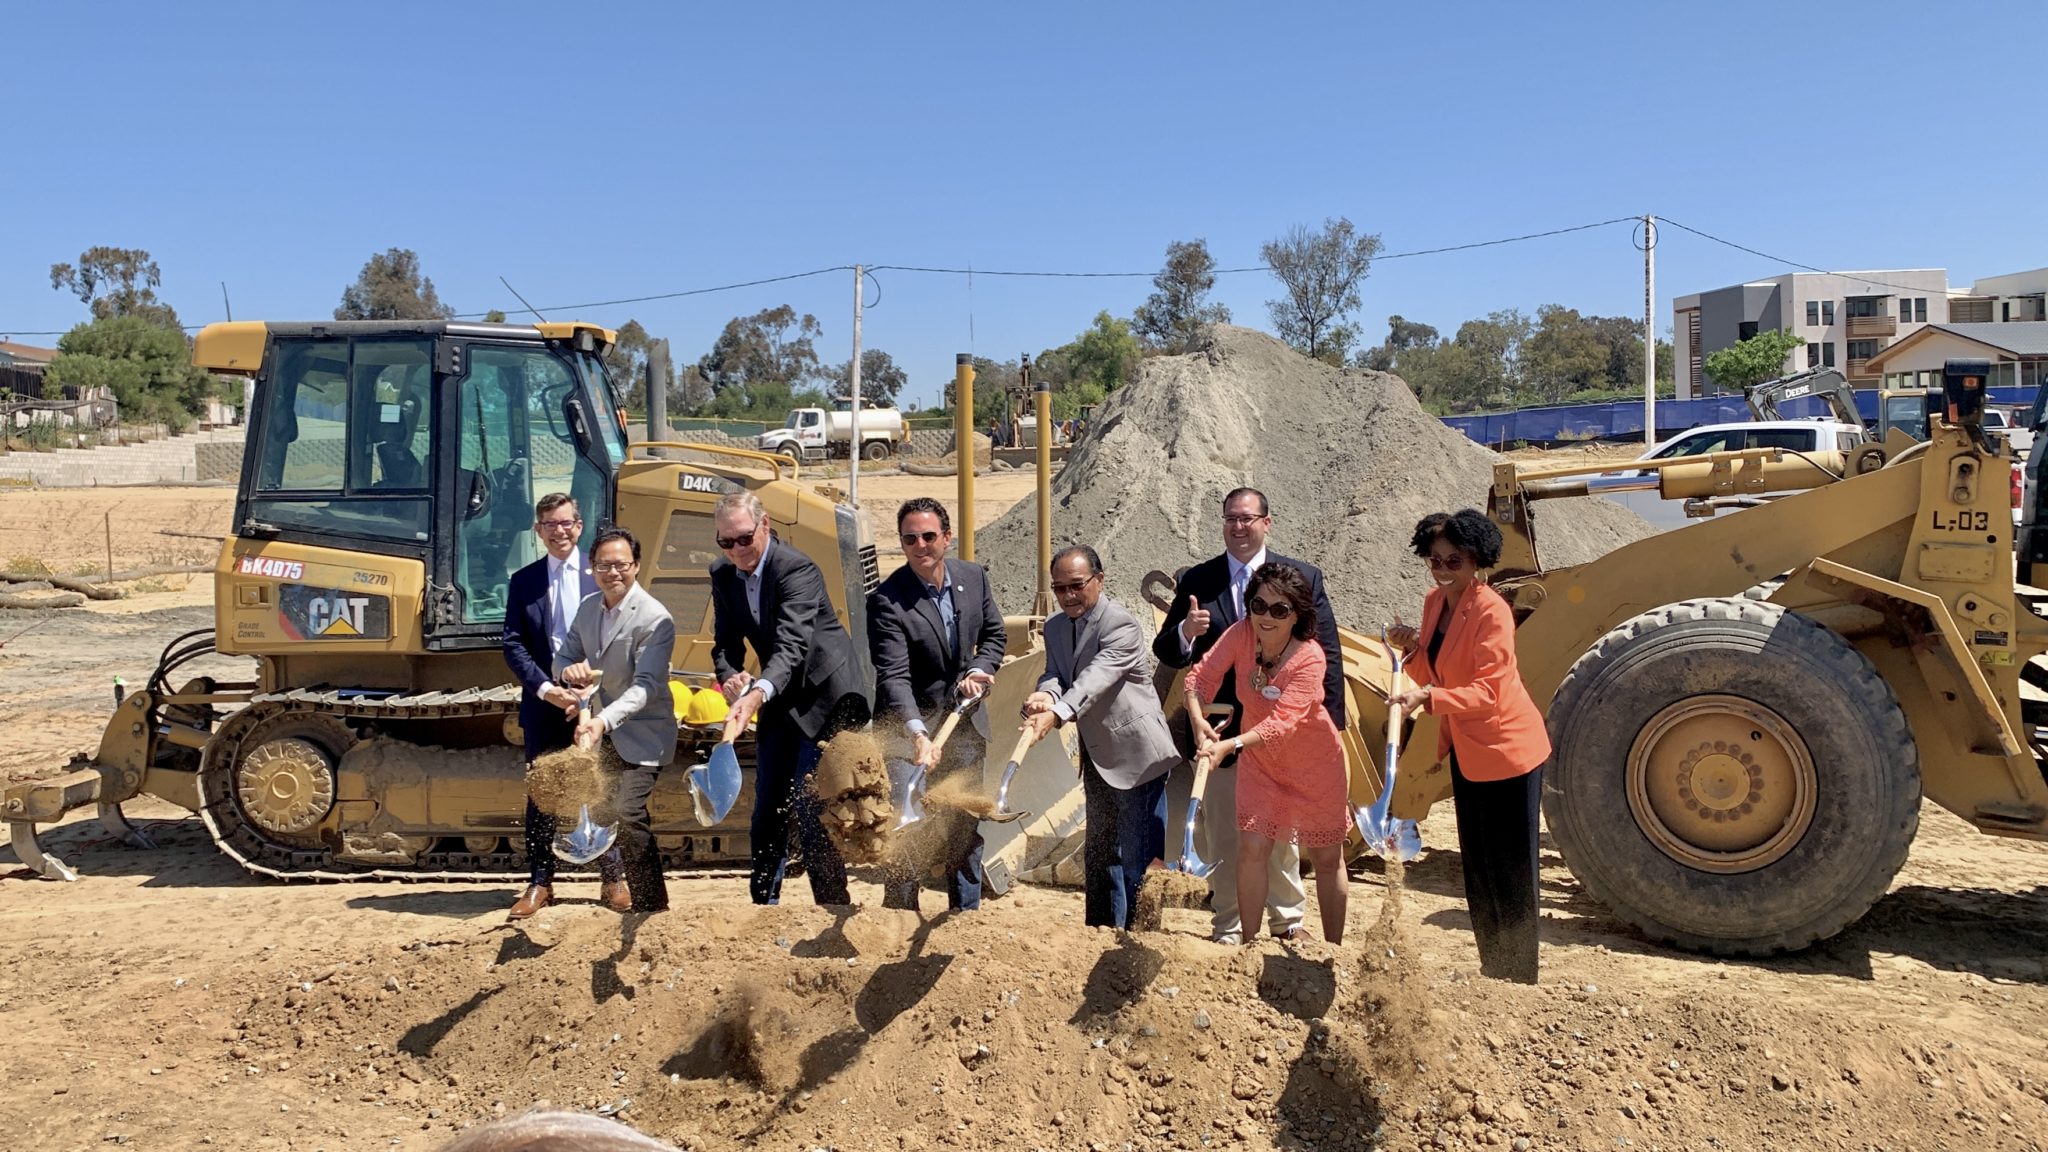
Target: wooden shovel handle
pixel 946 727
pixel 1024 743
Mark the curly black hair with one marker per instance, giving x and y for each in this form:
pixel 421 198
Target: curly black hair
pixel 1286 583
pixel 1468 530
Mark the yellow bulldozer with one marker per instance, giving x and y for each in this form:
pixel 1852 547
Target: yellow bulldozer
pixel 387 492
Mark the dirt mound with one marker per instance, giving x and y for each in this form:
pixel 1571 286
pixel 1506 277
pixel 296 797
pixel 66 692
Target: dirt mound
pixel 1347 458
pixel 871 1029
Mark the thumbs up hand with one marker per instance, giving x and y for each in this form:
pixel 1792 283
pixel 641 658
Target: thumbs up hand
pixel 1197 622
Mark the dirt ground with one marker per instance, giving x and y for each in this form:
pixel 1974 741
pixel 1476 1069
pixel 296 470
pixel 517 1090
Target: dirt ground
pixel 167 1000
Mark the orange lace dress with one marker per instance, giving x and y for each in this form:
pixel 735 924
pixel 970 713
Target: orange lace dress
pixel 1292 786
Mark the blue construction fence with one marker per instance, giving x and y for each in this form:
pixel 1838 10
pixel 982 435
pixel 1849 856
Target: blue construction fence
pixel 1623 419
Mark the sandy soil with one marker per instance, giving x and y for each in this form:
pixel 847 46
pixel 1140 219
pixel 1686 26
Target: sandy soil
pixel 168 1001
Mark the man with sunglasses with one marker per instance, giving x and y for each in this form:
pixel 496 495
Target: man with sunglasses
pixel 1208 598
pixel 1097 679
pixel 541 605
pixel 937 638
pixel 767 595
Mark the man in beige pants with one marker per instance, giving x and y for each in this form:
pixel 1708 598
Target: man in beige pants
pixel 1208 598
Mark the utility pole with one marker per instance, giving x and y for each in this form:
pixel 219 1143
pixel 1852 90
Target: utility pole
pixel 1649 331
pixel 854 446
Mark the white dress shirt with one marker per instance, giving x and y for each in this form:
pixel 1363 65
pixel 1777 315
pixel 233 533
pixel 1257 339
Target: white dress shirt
pixel 1240 576
pixel 565 593
pixel 753 583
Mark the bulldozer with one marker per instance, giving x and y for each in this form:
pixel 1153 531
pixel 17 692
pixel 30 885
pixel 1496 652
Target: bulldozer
pixel 1746 712
pixel 385 498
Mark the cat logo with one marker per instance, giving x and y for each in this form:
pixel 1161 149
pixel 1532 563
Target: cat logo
pixel 337 615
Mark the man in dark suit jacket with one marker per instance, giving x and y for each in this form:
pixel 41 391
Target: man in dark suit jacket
pixel 541 605
pixel 1209 598
pixel 937 637
pixel 766 594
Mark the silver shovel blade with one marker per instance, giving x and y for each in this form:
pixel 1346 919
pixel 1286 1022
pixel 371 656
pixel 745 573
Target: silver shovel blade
pixel 1386 837
pixel 906 791
pixel 1190 862
pixel 715 786
pixel 586 841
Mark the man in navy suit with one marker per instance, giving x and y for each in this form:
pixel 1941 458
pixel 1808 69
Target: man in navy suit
pixel 1209 598
pixel 936 636
pixel 542 601
pixel 767 595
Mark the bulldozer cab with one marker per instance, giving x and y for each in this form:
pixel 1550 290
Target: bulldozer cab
pixel 427 442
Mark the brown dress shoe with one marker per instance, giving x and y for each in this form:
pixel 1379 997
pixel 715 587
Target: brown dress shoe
pixel 535 898
pixel 616 896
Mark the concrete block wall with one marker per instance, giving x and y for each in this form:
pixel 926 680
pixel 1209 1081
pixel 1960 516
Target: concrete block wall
pixel 168 461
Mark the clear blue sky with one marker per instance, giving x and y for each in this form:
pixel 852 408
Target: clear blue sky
pixel 589 151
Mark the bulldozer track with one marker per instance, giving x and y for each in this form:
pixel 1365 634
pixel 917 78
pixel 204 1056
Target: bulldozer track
pixel 264 856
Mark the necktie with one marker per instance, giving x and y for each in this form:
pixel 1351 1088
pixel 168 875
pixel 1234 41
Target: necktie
pixel 558 628
pixel 1238 580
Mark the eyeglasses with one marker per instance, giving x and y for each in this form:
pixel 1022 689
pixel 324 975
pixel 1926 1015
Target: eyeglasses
pixel 910 538
pixel 558 525
pixel 728 543
pixel 1073 589
pixel 615 566
pixel 1447 563
pixel 1241 521
pixel 1258 606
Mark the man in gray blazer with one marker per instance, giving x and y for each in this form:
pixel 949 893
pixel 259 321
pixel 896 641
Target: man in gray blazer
pixel 618 652
pixel 1097 677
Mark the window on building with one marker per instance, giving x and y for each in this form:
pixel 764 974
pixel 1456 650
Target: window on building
pixel 1746 330
pixel 1813 355
pixel 1827 311
pixel 1813 312
pixel 1920 310
pixel 1827 354
pixel 1865 306
pixel 2005 310
pixel 1862 349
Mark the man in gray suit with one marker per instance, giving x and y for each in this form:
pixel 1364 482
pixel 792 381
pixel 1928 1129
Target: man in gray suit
pixel 1097 677
pixel 618 652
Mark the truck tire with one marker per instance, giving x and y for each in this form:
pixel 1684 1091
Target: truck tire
pixel 792 453
pixel 1731 777
pixel 875 450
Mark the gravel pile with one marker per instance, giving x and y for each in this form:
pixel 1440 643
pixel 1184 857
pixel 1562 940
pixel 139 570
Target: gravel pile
pixel 1347 457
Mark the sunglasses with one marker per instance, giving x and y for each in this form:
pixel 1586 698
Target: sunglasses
pixel 910 538
pixel 1070 589
pixel 728 543
pixel 1447 563
pixel 1258 606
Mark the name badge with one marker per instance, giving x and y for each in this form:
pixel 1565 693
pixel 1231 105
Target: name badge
pixel 1270 691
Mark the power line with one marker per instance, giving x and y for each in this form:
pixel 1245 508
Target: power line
pixel 674 295
pixel 1783 260
pixel 1248 267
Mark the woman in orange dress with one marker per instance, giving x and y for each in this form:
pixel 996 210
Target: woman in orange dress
pixel 1292 783
pixel 1463 664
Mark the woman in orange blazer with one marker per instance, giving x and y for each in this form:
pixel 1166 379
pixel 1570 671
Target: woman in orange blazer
pixel 1466 674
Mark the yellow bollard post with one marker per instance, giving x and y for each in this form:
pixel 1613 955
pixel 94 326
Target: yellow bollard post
pixel 963 448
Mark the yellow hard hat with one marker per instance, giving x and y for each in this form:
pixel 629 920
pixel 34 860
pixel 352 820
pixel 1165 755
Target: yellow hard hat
pixel 680 693
pixel 707 706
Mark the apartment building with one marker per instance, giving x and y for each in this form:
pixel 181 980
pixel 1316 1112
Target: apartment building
pixel 1847 318
pixel 2015 298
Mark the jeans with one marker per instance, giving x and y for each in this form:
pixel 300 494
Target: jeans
pixel 784 762
pixel 1126 831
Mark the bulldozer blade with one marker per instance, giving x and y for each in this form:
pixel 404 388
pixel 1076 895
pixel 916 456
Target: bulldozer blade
pixel 906 791
pixel 22 834
pixel 587 840
pixel 714 786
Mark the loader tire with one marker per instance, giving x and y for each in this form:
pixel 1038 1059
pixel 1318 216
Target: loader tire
pixel 1731 777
